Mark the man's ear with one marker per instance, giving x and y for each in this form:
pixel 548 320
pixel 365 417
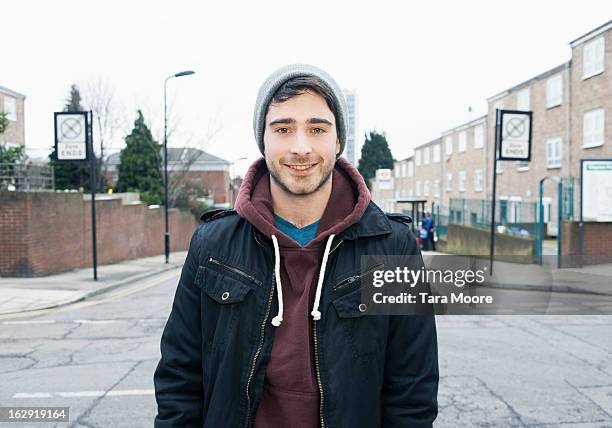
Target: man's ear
pixel 337 146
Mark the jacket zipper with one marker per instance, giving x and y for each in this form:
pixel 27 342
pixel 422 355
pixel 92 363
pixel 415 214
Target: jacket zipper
pixel 354 278
pixel 235 270
pixel 316 351
pixel 261 342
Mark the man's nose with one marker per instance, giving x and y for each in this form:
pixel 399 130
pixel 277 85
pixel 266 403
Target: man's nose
pixel 301 144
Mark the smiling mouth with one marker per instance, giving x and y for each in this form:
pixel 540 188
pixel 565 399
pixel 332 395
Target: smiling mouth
pixel 301 168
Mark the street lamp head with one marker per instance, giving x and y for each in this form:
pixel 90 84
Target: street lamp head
pixel 184 73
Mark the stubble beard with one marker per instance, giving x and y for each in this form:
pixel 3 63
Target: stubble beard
pixel 276 176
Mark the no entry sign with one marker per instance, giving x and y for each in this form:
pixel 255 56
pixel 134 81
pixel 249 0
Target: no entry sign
pixel 515 135
pixel 71 131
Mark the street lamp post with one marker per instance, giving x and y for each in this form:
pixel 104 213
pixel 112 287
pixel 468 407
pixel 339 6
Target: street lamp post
pixel 166 231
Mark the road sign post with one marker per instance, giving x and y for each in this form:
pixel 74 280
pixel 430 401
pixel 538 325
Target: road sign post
pixel 74 144
pixel 512 142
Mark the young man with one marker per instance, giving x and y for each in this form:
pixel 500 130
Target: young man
pixel 267 328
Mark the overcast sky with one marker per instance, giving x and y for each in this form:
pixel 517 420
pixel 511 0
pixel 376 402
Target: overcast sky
pixel 415 66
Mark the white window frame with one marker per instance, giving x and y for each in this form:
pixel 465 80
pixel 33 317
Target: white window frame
pixel 417 157
pixel 593 128
pixel 437 188
pixel 593 57
pixel 417 188
pixel 448 142
pixel 410 168
pixel 10 108
pixel 426 188
pixel 554 91
pixel 462 141
pixel 461 185
pixel 449 182
pixel 479 137
pixel 478 180
pixel 554 154
pixel 426 156
pixel 523 100
pixel 436 153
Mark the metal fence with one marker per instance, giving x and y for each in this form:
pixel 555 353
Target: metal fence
pixel 511 216
pixel 24 177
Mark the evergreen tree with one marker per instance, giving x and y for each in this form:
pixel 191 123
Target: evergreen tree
pixel 375 154
pixel 140 164
pixel 73 102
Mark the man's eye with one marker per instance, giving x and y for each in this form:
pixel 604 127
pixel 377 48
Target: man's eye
pixel 319 130
pixel 282 130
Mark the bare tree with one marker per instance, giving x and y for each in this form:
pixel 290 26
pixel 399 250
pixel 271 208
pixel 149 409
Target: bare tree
pixel 181 185
pixel 108 117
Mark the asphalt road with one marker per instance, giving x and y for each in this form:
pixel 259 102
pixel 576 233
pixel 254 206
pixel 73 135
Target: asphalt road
pixel 98 358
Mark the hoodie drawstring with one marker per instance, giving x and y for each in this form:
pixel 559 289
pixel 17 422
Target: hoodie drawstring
pixel 276 321
pixel 316 315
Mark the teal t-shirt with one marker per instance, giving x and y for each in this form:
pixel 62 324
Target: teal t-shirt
pixel 300 235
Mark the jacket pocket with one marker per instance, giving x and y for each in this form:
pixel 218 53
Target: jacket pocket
pixel 364 334
pixel 223 304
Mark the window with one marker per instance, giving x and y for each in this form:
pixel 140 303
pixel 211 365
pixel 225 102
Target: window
pixel 10 108
pixel 426 156
pixel 403 170
pixel 522 100
pixel 426 188
pixel 479 137
pixel 396 171
pixel 417 157
pixel 593 128
pixel 522 166
pixel 462 181
pixel 436 153
pixel 449 144
pixel 417 188
pixel 449 181
pixel 593 57
pixel 410 169
pixel 437 187
pixel 554 91
pixel 478 180
pixel 553 153
pixel 462 141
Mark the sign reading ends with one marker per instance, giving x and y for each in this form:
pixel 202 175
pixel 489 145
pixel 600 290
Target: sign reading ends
pixel 515 135
pixel 71 136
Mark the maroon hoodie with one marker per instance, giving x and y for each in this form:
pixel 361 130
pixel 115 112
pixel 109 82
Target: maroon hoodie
pixel 291 394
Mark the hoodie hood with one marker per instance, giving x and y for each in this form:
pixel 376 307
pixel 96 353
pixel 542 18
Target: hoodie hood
pixel 348 201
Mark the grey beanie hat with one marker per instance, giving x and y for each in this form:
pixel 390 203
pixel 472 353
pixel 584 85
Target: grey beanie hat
pixel 280 76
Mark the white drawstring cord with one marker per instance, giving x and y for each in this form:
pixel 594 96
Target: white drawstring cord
pixel 316 315
pixel 276 321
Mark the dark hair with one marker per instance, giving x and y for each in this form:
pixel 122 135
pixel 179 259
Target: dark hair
pixel 298 85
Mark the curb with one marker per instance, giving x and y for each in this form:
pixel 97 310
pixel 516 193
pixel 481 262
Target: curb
pixel 545 288
pixel 93 293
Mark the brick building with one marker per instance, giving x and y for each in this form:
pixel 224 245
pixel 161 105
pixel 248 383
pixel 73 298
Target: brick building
pixel 209 170
pixel 547 97
pixel 428 172
pixel 572 120
pixel 12 103
pixel 591 99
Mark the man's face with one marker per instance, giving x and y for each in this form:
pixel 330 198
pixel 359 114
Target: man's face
pixel 301 143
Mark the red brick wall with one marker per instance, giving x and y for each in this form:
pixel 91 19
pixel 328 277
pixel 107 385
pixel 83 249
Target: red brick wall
pixel 46 232
pixel 597 240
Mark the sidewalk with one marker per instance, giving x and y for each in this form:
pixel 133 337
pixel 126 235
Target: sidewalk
pixel 29 294
pixel 593 279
